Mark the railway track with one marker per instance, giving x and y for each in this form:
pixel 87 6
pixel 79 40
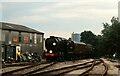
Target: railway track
pixel 106 68
pixel 91 70
pixel 15 65
pixel 43 71
pixel 26 70
pixel 63 70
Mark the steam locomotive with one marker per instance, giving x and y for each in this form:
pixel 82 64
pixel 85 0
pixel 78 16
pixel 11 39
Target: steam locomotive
pixel 59 49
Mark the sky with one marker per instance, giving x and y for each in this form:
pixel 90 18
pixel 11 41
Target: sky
pixel 59 17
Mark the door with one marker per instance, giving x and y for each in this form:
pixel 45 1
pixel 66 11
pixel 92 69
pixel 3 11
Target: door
pixel 13 49
pixel 3 52
pixel 18 48
pixel 10 51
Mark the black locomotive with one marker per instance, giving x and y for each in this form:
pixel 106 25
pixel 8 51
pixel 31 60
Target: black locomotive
pixel 59 49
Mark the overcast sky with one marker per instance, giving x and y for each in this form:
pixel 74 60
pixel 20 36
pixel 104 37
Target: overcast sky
pixel 60 17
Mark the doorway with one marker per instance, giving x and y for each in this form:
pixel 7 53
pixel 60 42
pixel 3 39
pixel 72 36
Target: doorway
pixel 10 52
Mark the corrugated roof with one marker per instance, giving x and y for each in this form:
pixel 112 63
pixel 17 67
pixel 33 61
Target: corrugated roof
pixel 16 27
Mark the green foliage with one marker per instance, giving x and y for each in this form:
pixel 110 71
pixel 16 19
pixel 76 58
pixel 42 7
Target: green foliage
pixel 96 41
pixel 88 37
pixel 111 37
pixel 106 44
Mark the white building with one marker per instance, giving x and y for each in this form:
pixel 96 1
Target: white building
pixel 75 37
pixel 119 11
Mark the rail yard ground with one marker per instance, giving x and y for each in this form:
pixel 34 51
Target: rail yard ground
pixel 113 67
pixel 79 67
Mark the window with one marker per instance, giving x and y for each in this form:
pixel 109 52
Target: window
pixel 15 36
pixel 31 38
pixel 35 38
pixel 20 37
pixel 39 38
pixel 25 37
pixel 3 36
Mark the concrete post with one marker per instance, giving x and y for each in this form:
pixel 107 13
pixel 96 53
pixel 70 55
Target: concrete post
pixel 119 11
pixel 0 49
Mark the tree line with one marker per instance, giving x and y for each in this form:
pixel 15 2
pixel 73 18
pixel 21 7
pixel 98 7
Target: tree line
pixel 106 44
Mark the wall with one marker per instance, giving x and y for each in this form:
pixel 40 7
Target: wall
pixel 29 42
pixel 76 37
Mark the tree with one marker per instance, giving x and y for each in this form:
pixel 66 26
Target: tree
pixel 88 37
pixel 99 46
pixel 111 37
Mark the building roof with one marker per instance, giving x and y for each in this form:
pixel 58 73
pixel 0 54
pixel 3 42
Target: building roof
pixel 17 27
pixel 79 42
